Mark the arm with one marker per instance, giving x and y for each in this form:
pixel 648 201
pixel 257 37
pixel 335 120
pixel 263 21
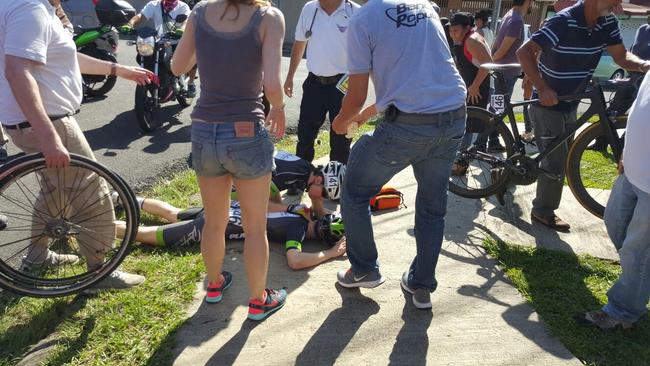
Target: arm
pixel 135 20
pixel 297 51
pixel 365 115
pixel 627 60
pixel 527 55
pixel 504 48
pixel 18 72
pixel 480 53
pixel 184 57
pixel 93 66
pixel 298 260
pixel 272 39
pixel 352 102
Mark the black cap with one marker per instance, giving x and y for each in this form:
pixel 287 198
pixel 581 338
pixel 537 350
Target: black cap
pixel 464 19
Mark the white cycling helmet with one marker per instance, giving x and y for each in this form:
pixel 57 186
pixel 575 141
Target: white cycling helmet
pixel 333 173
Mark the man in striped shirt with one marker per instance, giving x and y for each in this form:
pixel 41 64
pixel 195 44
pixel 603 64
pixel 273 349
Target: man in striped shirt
pixel 570 44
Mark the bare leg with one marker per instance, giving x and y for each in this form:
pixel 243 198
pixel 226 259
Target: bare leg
pixel 145 235
pixel 215 193
pixel 161 209
pixel 254 199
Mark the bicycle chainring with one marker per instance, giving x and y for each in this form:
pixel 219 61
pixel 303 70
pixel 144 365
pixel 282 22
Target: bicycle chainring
pixel 525 170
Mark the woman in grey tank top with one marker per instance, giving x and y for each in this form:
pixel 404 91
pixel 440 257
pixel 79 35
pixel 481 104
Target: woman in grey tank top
pixel 237 45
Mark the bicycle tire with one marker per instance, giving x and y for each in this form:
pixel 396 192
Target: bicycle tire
pixel 19 171
pixel 591 189
pixel 460 185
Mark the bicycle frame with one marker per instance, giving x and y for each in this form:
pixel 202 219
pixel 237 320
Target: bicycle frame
pixel 597 107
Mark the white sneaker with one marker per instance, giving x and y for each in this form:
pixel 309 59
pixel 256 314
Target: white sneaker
pixel 52 259
pixel 118 280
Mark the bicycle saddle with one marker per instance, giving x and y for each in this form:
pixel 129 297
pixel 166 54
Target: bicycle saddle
pixel 499 67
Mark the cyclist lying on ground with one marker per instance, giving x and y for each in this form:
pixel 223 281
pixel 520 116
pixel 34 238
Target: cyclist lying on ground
pixel 297 175
pixel 289 224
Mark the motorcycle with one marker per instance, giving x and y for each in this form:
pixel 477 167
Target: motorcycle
pixel 155 54
pixel 101 42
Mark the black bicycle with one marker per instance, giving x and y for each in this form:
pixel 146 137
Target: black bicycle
pixel 590 173
pixel 61 233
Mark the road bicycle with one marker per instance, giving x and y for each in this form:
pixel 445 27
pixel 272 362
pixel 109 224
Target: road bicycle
pixel 590 173
pixel 69 212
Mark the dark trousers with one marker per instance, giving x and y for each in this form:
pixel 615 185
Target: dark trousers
pixel 319 100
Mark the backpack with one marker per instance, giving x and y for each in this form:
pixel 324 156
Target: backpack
pixel 386 199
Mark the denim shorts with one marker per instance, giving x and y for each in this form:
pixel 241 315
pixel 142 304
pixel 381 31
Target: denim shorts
pixel 216 151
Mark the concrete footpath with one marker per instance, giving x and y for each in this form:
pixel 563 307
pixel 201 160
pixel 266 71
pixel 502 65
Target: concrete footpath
pixel 478 317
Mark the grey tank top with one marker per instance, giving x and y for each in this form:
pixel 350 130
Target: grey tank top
pixel 230 68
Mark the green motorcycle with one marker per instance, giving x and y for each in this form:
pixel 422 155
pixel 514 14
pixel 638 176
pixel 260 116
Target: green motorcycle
pixel 101 42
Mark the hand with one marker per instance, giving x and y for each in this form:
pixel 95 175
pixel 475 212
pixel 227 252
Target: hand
pixel 473 94
pixel 275 122
pixel 621 167
pixel 337 250
pixel 288 87
pixel 137 74
pixel 300 209
pixel 56 155
pixel 178 32
pixel 126 29
pixel 547 97
pixel 340 126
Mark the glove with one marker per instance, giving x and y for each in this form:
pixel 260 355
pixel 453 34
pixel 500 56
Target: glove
pixel 126 29
pixel 178 32
pixel 299 209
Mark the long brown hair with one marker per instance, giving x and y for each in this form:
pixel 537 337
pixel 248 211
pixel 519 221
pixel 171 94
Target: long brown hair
pixel 235 3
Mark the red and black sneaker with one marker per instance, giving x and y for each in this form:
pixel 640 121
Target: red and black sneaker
pixel 274 300
pixel 215 289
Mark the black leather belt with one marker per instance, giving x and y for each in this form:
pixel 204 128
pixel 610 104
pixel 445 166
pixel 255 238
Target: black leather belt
pixel 326 80
pixel 393 113
pixel 26 124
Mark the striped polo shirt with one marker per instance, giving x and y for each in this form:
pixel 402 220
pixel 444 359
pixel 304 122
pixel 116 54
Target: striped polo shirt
pixel 571 50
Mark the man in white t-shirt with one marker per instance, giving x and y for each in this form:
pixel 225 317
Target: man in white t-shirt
pixel 163 13
pixel 40 91
pixel 323 24
pixel 627 218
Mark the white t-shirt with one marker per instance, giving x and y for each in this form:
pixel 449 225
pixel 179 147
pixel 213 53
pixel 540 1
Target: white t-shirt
pixel 30 29
pixel 153 10
pixel 637 149
pixel 326 50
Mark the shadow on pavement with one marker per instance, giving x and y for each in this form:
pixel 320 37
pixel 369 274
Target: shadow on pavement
pixel 331 338
pixel 412 342
pixel 119 133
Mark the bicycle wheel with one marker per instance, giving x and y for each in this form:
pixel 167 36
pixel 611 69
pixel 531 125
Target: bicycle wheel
pixel 591 172
pixel 61 234
pixel 483 176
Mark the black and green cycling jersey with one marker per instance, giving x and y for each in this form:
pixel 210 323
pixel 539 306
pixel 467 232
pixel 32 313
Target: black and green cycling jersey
pixel 289 172
pixel 282 227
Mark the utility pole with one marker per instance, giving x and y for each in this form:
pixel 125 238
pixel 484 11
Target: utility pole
pixel 496 10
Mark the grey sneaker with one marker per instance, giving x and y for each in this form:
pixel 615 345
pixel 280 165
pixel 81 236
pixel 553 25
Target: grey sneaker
pixel 3 221
pixel 602 320
pixel 117 280
pixel 52 259
pixel 3 154
pixel 369 280
pixel 421 296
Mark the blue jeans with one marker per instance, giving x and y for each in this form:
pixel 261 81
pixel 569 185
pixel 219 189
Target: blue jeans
pixel 627 219
pixel 430 149
pixel 217 152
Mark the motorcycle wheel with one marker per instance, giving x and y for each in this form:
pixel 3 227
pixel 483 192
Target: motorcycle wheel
pixel 146 108
pixel 95 86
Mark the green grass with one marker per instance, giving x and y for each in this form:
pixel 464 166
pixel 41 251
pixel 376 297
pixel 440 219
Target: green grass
pixel 559 285
pixel 598 170
pixel 132 327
